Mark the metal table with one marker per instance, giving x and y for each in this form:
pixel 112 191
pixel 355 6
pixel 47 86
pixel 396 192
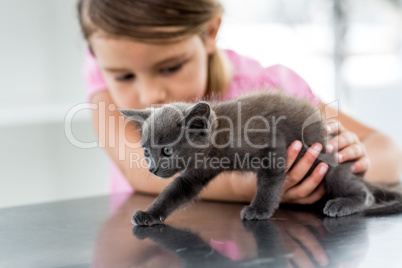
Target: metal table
pixel 97 232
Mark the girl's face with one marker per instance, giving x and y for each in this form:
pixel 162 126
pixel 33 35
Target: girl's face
pixel 140 74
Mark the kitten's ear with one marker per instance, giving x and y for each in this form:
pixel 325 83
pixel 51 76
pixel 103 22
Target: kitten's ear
pixel 137 115
pixel 197 115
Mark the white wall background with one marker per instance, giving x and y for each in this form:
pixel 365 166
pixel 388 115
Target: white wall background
pixel 300 35
pixel 41 53
pixel 40 80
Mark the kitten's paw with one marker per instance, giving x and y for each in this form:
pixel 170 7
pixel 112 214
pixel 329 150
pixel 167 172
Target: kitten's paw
pixel 142 232
pixel 335 225
pixel 143 218
pixel 252 213
pixel 338 208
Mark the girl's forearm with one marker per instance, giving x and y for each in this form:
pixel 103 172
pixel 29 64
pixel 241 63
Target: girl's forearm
pixel 385 157
pixel 121 144
pixel 219 189
pixel 230 186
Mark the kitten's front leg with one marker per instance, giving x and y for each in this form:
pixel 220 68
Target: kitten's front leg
pixel 267 197
pixel 183 189
pixel 190 248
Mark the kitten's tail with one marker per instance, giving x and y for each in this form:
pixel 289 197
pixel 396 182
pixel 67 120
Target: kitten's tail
pixel 387 201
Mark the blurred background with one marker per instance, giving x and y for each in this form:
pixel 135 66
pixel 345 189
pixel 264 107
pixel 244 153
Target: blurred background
pixel 349 51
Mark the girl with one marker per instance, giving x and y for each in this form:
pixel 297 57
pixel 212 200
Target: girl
pixel 156 51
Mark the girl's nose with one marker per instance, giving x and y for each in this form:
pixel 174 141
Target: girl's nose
pixel 152 94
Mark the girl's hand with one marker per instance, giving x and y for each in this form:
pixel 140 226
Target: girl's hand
pixel 312 188
pixel 349 146
pixel 300 234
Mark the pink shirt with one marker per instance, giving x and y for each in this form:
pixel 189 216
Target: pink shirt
pixel 248 74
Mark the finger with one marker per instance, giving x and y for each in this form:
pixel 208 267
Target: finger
pixel 333 126
pixel 308 186
pixel 289 264
pixel 300 258
pixel 288 243
pixel 302 166
pixel 307 239
pixel 363 164
pixel 341 141
pixel 352 152
pixel 307 218
pixel 293 151
pixel 311 199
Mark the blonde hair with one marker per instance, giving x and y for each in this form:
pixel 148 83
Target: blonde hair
pixel 155 21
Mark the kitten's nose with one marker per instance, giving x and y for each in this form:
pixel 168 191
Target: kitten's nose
pixel 153 169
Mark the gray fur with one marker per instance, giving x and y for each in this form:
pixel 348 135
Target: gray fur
pixel 199 129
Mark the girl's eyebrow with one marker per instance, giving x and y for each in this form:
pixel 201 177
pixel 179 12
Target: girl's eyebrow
pixel 116 70
pixel 170 59
pixel 156 65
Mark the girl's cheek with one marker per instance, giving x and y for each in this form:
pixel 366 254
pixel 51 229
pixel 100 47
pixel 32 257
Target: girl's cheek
pixel 190 83
pixel 196 74
pixel 124 96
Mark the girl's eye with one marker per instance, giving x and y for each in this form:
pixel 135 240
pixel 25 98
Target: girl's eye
pixel 146 152
pixel 167 151
pixel 125 77
pixel 171 69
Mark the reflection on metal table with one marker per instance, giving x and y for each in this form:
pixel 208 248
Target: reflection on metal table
pixel 97 232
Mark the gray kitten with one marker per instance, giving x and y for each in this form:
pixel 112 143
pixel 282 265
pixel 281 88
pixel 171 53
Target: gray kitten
pixel 201 140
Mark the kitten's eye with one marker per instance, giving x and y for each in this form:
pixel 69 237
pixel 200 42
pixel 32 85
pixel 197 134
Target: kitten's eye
pixel 171 69
pixel 167 151
pixel 125 77
pixel 146 152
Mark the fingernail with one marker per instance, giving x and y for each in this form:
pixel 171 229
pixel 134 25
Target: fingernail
pixel 353 168
pixel 297 145
pixel 323 260
pixel 317 147
pixel 330 148
pixel 339 157
pixel 328 128
pixel 323 169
